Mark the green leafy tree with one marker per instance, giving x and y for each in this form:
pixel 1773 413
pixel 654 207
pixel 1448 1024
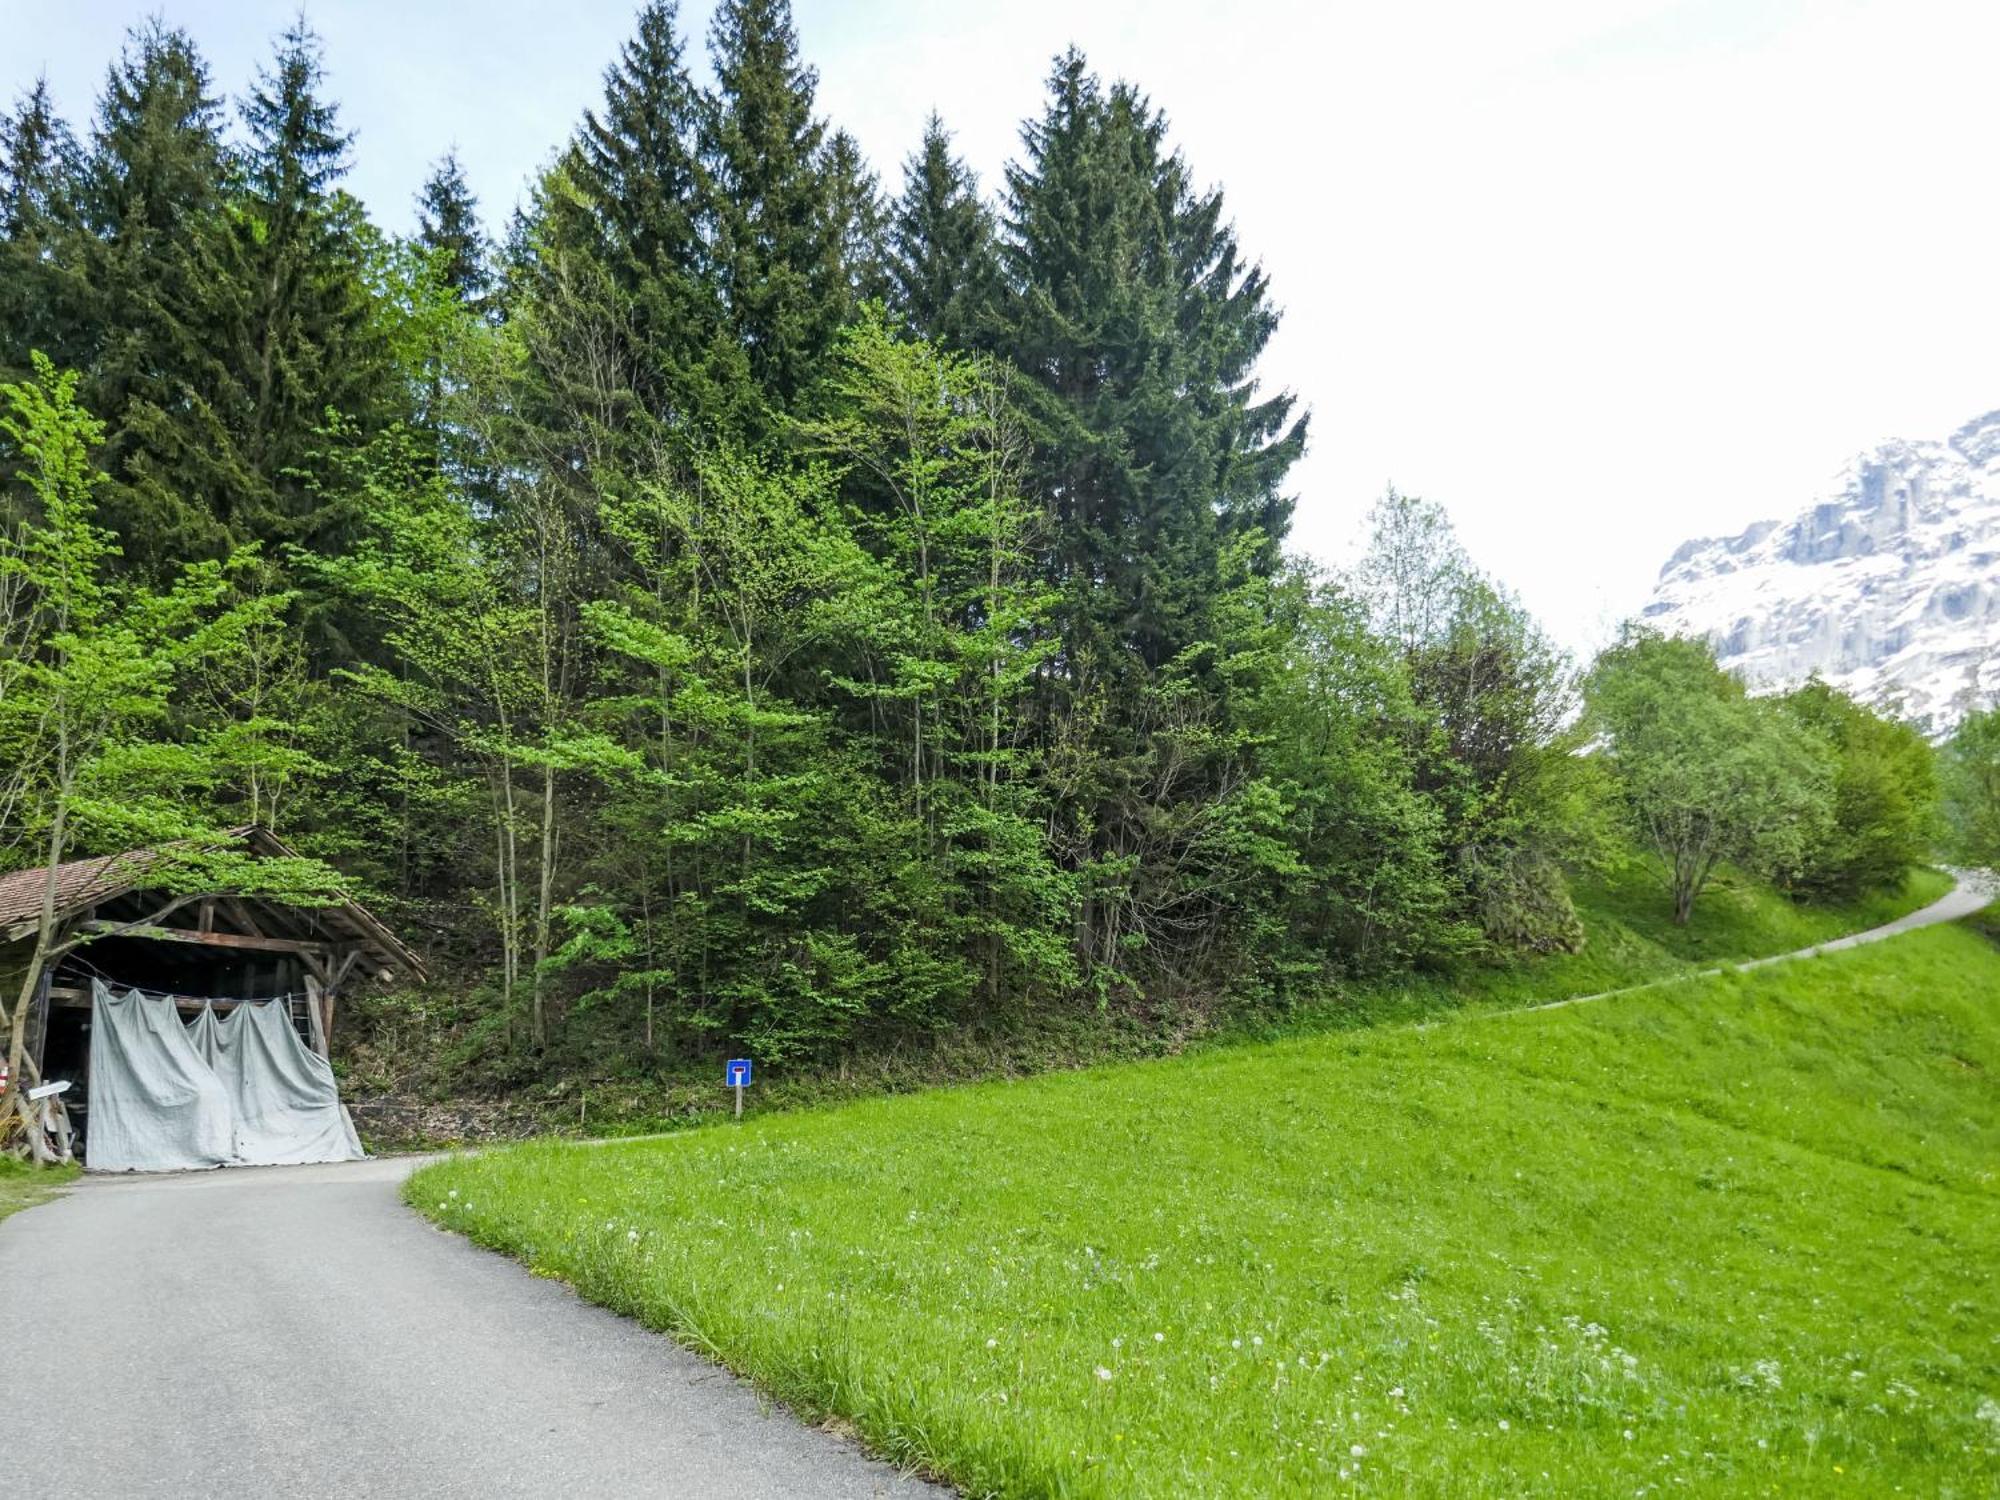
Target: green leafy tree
pixel 1971 787
pixel 956 639
pixel 88 685
pixel 1885 795
pixel 1707 773
pixel 1492 742
pixel 1328 858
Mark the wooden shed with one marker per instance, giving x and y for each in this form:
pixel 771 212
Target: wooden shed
pixel 202 949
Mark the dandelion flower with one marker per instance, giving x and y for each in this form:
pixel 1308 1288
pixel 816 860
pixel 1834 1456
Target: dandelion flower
pixel 1102 1373
pixel 1357 1451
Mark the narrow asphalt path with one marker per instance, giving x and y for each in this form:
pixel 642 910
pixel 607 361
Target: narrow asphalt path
pixel 1972 890
pixel 296 1331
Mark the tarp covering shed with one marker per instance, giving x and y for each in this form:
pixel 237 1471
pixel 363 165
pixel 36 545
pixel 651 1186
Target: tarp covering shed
pixel 133 921
pixel 228 1088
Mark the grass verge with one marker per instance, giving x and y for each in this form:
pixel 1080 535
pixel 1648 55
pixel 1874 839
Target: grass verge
pixel 23 1185
pixel 1734 1236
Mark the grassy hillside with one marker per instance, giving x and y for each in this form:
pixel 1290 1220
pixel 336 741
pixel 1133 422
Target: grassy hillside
pixel 1631 939
pixel 1626 916
pixel 1736 1236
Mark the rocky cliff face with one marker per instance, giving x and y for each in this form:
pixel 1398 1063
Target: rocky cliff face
pixel 1889 587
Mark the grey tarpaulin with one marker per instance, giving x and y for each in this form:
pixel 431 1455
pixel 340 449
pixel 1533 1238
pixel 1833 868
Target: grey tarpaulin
pixel 235 1088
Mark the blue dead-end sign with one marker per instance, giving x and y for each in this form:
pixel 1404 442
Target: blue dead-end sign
pixel 737 1073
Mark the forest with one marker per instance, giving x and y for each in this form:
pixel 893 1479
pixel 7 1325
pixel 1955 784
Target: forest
pixel 729 605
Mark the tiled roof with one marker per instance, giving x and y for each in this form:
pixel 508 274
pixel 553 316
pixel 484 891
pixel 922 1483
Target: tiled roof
pixel 81 882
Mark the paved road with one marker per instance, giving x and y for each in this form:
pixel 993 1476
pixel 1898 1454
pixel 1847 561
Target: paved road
pixel 295 1331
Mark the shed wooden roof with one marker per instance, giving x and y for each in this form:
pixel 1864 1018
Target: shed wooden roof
pixel 84 883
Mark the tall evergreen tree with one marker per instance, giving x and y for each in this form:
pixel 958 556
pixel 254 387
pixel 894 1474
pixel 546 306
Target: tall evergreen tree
pixel 39 167
pixel 1137 317
pixel 861 219
pixel 310 336
pixel 448 227
pixel 157 292
pixel 778 242
pixel 943 265
pixel 622 223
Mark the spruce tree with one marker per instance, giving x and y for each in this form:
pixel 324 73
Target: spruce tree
pixel 1135 315
pixel 310 338
pixel 855 201
pixel 157 292
pixel 943 267
pixel 448 228
pixel 39 167
pixel 620 222
pixel 778 242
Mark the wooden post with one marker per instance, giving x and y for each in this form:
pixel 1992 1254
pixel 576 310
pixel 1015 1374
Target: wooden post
pixel 37 1019
pixel 317 999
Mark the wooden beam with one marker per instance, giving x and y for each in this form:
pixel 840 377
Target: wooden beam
pixel 241 915
pixel 208 939
pixel 68 997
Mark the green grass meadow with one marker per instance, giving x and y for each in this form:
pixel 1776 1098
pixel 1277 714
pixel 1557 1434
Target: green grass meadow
pixel 1732 1236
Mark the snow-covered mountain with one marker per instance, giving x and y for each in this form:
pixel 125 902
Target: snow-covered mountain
pixel 1888 587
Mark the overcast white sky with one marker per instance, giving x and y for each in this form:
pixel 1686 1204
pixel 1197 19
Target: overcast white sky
pixel 1599 275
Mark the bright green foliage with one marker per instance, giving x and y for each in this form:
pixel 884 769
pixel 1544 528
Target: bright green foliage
pixel 1737 1233
pixel 1884 810
pixel 943 263
pixel 1491 700
pixel 1332 859
pixel 1971 778
pixel 99 745
pixel 1707 773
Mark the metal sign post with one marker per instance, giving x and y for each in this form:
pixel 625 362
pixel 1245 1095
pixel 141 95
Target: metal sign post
pixel 736 1075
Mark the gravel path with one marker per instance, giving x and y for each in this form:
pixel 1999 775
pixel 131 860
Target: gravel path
pixel 296 1331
